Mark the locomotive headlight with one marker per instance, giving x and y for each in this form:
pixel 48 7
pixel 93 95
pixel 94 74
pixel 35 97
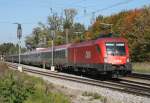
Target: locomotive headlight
pixel 128 60
pixel 105 60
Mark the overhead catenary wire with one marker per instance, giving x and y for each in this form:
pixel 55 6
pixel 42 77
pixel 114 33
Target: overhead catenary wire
pixel 24 23
pixel 114 5
pixel 106 8
pixel 76 2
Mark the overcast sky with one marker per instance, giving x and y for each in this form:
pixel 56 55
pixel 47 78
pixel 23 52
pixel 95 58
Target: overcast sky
pixel 30 12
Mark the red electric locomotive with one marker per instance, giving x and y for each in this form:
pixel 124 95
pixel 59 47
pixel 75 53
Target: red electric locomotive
pixel 101 56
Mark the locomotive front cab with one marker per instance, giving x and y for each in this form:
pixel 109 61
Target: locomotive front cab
pixel 116 58
pixel 116 53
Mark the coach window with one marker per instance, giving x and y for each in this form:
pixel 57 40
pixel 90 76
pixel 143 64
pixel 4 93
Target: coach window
pixel 64 52
pixel 56 54
pixel 59 54
pixel 48 54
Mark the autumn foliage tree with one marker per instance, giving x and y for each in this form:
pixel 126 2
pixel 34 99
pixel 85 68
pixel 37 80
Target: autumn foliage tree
pixel 134 25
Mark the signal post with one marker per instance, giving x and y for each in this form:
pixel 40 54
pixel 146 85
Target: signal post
pixel 19 35
pixel 52 55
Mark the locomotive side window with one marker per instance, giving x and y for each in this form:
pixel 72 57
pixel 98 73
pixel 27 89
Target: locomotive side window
pixel 98 48
pixel 115 48
pixel 59 54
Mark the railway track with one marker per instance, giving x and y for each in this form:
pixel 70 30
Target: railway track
pixel 140 75
pixel 132 87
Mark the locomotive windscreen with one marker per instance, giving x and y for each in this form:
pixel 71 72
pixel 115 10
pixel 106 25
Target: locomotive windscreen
pixel 115 48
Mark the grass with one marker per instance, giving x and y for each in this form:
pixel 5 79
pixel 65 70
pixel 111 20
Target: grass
pixel 45 93
pixel 3 68
pixel 16 87
pixel 95 96
pixel 141 67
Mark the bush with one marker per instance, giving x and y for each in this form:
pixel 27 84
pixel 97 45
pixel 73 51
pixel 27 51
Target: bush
pixel 13 89
pixel 141 67
pixel 93 95
pixel 16 87
pixel 45 93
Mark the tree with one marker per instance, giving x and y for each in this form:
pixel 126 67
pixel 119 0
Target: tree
pixel 78 32
pixel 68 22
pixel 55 22
pixel 38 38
pixel 69 18
pixel 9 48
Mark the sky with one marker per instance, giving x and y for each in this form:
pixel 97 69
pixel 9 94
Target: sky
pixel 30 12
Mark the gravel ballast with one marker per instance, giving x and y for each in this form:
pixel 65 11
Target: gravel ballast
pixel 75 90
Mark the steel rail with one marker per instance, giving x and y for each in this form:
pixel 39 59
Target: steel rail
pixel 135 82
pixel 145 76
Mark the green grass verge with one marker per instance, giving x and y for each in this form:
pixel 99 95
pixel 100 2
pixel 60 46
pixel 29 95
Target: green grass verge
pixel 141 67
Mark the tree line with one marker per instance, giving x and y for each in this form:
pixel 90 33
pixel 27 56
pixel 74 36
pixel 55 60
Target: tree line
pixel 10 48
